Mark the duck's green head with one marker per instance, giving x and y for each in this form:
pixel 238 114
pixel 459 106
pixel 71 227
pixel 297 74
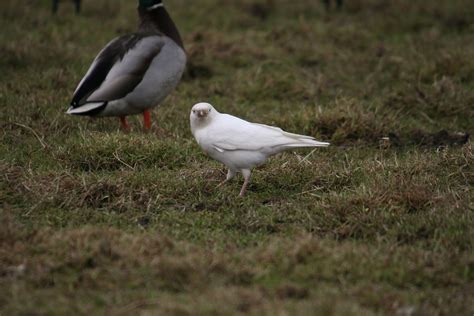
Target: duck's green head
pixel 149 4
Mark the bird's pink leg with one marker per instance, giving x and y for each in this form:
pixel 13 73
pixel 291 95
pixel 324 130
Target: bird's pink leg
pixel 246 174
pixel 146 120
pixel 123 120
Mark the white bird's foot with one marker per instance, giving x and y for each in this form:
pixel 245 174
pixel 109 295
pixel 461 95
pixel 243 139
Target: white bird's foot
pixel 221 183
pixel 246 173
pixel 230 175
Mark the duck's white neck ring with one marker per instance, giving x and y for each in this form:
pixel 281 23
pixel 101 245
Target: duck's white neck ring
pixel 156 6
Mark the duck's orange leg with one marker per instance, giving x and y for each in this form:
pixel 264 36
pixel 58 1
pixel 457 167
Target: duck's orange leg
pixel 146 120
pixel 123 120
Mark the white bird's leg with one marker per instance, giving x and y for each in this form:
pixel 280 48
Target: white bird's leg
pixel 230 175
pixel 246 173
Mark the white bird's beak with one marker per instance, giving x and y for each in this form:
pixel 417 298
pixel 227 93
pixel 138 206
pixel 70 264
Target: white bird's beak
pixel 201 113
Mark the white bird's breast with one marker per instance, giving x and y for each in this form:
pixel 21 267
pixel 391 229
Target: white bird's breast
pixel 233 159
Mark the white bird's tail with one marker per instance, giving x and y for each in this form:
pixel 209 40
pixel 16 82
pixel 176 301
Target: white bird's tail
pixel 295 140
pixel 305 143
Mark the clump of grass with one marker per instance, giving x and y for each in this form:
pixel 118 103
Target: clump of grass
pixel 117 151
pixel 346 123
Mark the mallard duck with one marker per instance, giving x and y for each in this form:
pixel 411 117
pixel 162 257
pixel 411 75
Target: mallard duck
pixel 134 72
pixel 76 2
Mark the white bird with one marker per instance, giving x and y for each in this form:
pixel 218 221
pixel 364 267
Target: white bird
pixel 238 144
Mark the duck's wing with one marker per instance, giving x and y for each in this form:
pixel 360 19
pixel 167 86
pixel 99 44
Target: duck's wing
pixel 115 72
pixel 231 133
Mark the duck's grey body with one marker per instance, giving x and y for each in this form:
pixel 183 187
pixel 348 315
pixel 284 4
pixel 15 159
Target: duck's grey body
pixel 160 78
pixel 134 72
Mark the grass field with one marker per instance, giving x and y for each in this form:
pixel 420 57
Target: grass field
pixel 96 221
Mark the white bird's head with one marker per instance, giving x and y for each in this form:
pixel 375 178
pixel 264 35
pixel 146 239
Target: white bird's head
pixel 202 112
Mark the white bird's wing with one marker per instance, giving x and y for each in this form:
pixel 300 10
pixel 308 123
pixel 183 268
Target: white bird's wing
pixel 230 133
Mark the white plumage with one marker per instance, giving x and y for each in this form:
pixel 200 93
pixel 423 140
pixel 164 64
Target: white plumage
pixel 239 144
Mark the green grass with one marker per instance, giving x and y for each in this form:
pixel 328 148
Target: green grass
pixel 96 221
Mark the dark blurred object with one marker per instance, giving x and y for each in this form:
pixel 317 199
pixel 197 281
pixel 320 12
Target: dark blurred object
pixel 76 2
pixel 261 10
pixel 327 4
pixel 419 138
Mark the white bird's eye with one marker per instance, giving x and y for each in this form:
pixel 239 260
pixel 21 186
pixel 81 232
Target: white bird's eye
pixel 194 111
pixel 209 110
